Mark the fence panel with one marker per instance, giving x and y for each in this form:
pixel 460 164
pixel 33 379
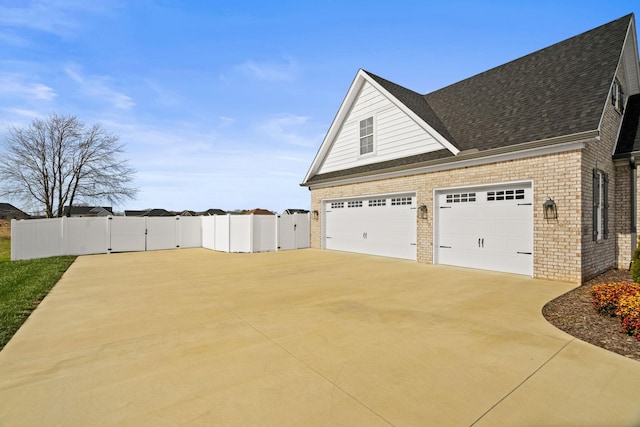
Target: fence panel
pixel 209 232
pixel 128 234
pixel 40 238
pixel 36 238
pixel 84 236
pixel 286 232
pixel 303 230
pixel 223 225
pixel 162 233
pixel 190 231
pixel 240 232
pixel 264 233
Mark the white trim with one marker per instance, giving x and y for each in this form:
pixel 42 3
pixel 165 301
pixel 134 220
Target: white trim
pixel 348 102
pixel 458 163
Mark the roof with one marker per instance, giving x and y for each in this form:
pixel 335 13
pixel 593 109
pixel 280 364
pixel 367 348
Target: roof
pixel 149 212
pixel 88 210
pixel 559 90
pixel 259 211
pixel 629 138
pixel 8 211
pixel 214 212
pixel 556 91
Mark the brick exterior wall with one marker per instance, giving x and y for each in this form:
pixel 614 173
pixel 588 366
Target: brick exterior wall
pixel 557 244
pixel 599 256
pixel 563 249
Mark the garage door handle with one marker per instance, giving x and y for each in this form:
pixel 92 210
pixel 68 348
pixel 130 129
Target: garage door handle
pixel 525 253
pixel 446 247
pixel 525 204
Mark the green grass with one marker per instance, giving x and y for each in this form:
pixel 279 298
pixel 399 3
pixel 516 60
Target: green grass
pixel 23 284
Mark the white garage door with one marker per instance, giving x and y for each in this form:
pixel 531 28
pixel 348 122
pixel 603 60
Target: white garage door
pixel 489 228
pixel 381 225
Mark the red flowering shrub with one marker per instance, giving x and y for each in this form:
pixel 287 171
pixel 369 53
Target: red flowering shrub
pixel 629 314
pixel 607 296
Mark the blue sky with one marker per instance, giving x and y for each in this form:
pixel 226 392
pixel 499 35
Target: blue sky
pixel 224 104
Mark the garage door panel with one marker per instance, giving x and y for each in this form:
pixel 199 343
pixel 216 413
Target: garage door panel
pixel 382 225
pixel 492 230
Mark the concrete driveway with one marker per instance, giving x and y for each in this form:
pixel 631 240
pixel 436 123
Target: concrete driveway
pixel 303 338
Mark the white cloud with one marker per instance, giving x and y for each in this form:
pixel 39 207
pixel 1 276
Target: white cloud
pixel 99 87
pixel 286 128
pixel 271 71
pixel 60 17
pixel 17 85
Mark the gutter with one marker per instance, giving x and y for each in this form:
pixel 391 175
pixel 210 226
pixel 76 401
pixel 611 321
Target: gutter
pixel 468 158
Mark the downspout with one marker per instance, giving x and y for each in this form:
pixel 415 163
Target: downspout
pixel 634 183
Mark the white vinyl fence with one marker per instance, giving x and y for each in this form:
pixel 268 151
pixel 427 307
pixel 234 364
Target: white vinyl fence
pixel 40 238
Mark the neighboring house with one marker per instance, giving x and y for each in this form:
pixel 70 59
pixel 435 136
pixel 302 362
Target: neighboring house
pixel 460 176
pixel 212 212
pixel 149 212
pixel 258 211
pixel 293 211
pixel 90 211
pixel 8 211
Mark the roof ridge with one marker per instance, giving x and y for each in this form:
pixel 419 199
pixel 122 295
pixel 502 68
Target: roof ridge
pixel 535 52
pixel 416 102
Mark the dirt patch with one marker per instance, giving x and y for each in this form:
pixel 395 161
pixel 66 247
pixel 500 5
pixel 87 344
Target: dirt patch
pixel 5 228
pixel 574 313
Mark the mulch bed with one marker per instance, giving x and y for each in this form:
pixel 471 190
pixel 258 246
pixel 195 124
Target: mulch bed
pixel 574 313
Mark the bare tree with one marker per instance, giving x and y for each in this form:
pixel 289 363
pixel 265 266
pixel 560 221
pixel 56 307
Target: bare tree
pixel 57 161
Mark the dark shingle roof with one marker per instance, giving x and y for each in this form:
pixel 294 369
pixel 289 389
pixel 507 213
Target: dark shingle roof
pixel 416 102
pixel 629 138
pixel 560 90
pixel 8 211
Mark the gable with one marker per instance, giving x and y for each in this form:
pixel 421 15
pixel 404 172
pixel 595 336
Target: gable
pixel 396 133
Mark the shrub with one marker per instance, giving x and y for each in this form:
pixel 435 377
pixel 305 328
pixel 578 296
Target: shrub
pixel 629 313
pixel 606 296
pixel 635 264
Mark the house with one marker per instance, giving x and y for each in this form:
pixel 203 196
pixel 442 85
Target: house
pixel 527 168
pixel 149 212
pixel 211 212
pixel 87 211
pixel 8 211
pixel 258 211
pixel 294 211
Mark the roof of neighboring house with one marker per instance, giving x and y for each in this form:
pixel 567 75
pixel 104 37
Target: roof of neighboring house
pixel 214 212
pixel 8 211
pixel 259 211
pixel 149 212
pixel 88 210
pixel 292 211
pixel 629 138
pixel 556 91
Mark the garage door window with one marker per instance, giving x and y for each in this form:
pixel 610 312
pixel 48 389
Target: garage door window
pixel 493 196
pixel 354 204
pixel 399 201
pixel 377 202
pixel 461 198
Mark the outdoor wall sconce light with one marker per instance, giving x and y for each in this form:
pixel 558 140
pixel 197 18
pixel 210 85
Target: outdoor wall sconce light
pixel 422 210
pixel 550 209
pixel 314 215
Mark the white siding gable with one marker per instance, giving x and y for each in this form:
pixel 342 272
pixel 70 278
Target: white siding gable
pixel 396 134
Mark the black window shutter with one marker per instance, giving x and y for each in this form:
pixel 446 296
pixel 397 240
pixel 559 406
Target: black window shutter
pixel 605 210
pixel 596 195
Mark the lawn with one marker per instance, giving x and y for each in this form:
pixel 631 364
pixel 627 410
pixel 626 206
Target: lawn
pixel 23 284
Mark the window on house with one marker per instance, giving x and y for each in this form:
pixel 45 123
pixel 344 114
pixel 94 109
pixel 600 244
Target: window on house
pixel 366 136
pixel 600 205
pixel 617 96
